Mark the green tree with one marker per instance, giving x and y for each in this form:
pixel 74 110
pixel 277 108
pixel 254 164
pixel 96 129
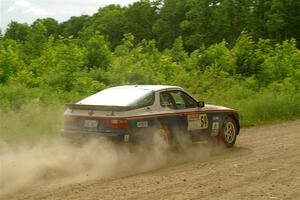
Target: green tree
pixel 109 22
pixel 10 60
pixel 17 31
pixel 167 26
pixel 257 21
pixel 50 24
pixel 200 26
pixel 74 26
pixel 60 62
pixel 139 19
pixel 283 20
pixel 97 53
pixel 236 15
pixel 282 63
pixel 36 39
pixel 178 53
pixel 244 51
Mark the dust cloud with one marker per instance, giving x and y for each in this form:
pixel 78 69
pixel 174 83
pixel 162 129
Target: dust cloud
pixel 59 162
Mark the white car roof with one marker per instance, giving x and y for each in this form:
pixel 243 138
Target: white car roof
pixel 123 95
pixel 148 87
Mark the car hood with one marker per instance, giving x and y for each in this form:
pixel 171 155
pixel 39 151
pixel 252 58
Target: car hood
pixel 215 107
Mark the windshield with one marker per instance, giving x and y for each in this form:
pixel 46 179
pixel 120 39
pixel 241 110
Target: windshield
pixel 121 97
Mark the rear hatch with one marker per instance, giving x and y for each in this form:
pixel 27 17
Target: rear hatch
pixel 95 119
pixel 102 112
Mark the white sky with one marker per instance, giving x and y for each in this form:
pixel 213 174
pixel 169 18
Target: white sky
pixel 61 10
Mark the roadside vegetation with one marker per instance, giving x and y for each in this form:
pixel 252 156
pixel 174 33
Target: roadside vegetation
pixel 243 55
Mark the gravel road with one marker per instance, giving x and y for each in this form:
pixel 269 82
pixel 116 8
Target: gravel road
pixel 264 164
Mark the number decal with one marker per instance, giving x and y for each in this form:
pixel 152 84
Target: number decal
pixel 203 121
pixel 197 121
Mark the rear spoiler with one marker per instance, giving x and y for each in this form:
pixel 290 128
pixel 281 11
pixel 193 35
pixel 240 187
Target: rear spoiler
pixel 98 107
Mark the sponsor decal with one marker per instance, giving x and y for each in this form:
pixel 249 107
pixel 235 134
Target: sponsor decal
pixel 216 118
pixel 215 129
pixel 142 124
pixel 215 125
pixel 126 138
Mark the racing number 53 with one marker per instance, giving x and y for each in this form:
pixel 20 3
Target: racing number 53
pixel 197 122
pixel 203 121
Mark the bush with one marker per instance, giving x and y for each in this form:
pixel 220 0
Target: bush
pixel 259 79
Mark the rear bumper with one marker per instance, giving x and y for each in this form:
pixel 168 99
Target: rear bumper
pixel 88 135
pixel 79 134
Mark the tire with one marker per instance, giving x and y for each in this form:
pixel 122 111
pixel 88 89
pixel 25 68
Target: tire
pixel 229 132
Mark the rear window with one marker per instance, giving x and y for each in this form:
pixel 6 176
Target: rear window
pixel 121 97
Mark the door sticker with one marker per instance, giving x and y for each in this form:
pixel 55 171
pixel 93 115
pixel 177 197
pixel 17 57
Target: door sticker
pixel 215 125
pixel 197 121
pixel 215 129
pixel 142 124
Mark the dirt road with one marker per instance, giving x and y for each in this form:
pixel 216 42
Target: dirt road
pixel 264 164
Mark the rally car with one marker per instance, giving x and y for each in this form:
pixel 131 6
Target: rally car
pixel 134 113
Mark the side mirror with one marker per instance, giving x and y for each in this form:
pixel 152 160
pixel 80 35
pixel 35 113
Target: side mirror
pixel 201 104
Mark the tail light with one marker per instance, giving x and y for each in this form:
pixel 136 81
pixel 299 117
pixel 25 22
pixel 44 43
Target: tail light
pixel 116 123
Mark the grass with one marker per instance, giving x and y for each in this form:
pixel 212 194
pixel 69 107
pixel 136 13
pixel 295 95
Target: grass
pixel 269 108
pixel 32 123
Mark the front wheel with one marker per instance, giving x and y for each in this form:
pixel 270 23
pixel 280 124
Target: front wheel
pixel 229 132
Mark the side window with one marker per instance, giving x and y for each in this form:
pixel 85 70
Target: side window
pixel 166 100
pixel 189 101
pixel 146 100
pixel 177 100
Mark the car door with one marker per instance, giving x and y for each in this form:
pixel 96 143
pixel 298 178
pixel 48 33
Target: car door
pixel 186 115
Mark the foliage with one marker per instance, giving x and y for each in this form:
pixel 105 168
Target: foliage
pixel 221 57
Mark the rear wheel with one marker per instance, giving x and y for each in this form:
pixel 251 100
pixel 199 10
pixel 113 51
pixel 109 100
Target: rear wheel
pixel 229 132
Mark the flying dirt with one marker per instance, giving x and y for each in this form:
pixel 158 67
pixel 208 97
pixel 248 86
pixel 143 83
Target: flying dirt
pixel 264 164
